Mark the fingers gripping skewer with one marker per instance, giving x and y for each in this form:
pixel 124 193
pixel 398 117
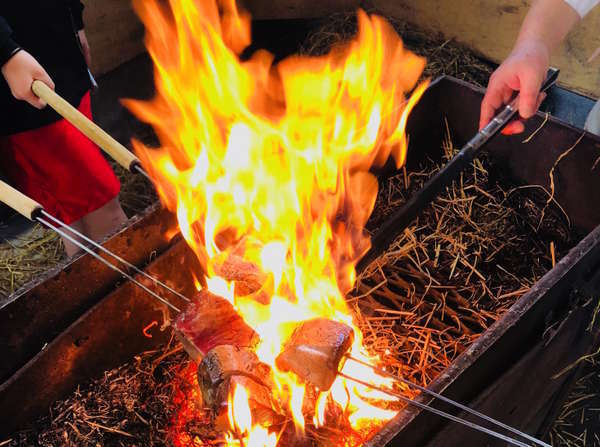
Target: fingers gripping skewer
pixel 115 149
pixel 34 211
pixel 90 129
pixel 405 214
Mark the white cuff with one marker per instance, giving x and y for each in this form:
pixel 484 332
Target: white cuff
pixel 582 6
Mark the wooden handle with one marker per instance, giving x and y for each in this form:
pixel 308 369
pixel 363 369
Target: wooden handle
pixel 19 201
pixel 111 146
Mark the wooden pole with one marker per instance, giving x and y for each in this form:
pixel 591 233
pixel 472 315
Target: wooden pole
pixel 107 143
pixel 19 201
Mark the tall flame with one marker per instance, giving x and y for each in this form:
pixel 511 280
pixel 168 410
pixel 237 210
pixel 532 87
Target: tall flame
pixel 273 162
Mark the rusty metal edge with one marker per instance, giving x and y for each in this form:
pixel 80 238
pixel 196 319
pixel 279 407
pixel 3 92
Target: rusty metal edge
pixel 104 337
pixel 50 303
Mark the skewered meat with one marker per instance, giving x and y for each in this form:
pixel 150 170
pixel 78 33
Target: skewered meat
pixel 224 368
pixel 246 276
pixel 315 350
pixel 210 321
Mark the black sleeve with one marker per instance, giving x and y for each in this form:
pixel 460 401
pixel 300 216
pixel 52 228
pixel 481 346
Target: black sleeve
pixel 8 47
pixel 77 13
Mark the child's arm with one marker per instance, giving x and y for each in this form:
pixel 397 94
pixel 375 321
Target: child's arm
pixel 20 68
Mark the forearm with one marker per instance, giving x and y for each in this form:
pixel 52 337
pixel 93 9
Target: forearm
pixel 548 22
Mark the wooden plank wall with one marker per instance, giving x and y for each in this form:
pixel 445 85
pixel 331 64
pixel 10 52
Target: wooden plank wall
pixel 491 26
pixel 114 32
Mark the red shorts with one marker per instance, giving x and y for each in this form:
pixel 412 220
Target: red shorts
pixel 59 167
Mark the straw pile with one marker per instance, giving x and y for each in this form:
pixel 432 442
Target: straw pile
pixel 444 57
pixel 438 286
pixel 131 405
pixel 465 260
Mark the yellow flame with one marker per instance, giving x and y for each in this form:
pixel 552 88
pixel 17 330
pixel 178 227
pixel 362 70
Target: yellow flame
pixel 319 418
pixel 240 421
pixel 273 163
pixel 220 287
pixel 296 406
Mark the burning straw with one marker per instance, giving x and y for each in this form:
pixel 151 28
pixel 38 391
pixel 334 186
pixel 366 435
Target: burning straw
pixel 466 260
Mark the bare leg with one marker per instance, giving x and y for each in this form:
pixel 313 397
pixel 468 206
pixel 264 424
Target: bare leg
pixel 100 223
pixel 70 248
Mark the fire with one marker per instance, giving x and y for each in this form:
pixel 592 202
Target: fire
pixel 272 163
pixel 243 432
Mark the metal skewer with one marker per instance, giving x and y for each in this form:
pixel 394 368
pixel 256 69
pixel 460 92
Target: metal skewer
pixel 104 261
pixel 441 413
pixel 113 255
pixel 111 146
pixel 34 211
pixel 489 419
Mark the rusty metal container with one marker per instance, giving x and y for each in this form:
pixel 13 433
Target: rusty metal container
pixel 79 321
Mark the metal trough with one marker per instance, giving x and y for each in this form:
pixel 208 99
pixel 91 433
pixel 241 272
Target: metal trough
pixel 80 321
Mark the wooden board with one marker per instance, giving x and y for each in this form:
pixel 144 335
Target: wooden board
pixel 114 32
pixel 490 27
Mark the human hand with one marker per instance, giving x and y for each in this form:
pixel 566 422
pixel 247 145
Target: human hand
pixel 20 71
pixel 85 47
pixel 523 71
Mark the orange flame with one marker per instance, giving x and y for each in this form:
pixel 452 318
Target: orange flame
pixel 273 162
